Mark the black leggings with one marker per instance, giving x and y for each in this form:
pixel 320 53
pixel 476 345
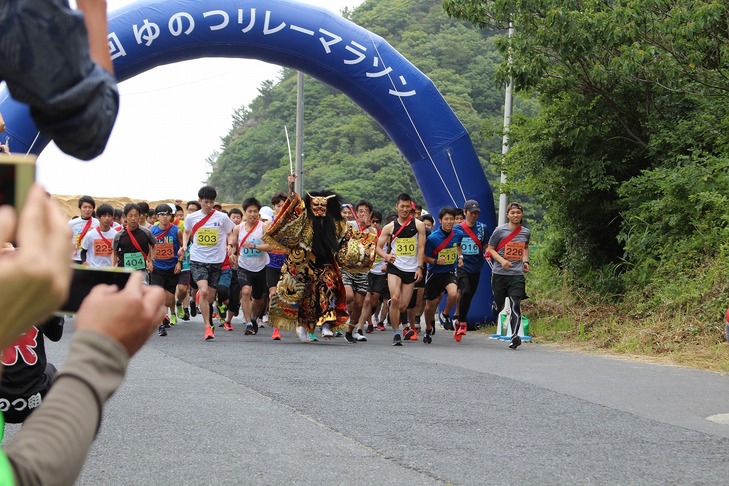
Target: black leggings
pixel 467 284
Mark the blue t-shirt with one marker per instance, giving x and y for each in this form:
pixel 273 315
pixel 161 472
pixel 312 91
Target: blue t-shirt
pixel 169 244
pixel 450 251
pixel 473 255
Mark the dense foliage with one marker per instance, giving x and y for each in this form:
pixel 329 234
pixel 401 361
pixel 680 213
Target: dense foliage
pixel 345 150
pixel 630 150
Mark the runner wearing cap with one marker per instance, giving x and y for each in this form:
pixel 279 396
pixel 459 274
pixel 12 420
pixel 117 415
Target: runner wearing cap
pixel 167 263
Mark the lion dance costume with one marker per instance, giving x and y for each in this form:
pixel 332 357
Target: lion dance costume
pixel 310 290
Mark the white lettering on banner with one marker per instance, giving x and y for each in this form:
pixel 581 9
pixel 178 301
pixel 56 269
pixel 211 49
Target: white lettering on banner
pixel 115 48
pixel 184 22
pixel 148 33
pixel 251 23
pixel 221 13
pixel 176 24
pixel 266 25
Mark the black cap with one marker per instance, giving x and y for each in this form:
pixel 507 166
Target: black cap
pixel 471 205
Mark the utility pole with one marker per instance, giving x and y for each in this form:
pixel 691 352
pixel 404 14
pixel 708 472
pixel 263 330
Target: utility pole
pixel 503 198
pixel 299 185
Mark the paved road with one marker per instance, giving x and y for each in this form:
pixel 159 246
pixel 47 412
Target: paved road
pixel 247 410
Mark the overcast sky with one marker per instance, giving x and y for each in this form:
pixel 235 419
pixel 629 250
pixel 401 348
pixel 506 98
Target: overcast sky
pixel 171 119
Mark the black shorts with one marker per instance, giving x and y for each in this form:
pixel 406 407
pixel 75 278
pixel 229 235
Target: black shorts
pixel 272 276
pixel 167 279
pixel 437 283
pixel 406 277
pixel 255 280
pixel 377 284
pixel 184 278
pixel 209 272
pixel 512 286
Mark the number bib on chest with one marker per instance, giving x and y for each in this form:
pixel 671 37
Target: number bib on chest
pixel 514 250
pixel 165 251
pixel 249 253
pixel 449 254
pixel 134 260
pixel 207 237
pixel 469 247
pixel 101 248
pixel 406 247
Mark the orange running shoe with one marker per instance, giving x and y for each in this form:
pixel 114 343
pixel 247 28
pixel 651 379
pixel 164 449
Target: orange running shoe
pixel 227 326
pixel 462 329
pixel 414 337
pixel 276 336
pixel 209 333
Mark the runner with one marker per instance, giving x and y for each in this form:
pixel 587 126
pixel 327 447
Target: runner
pixel 509 248
pixel 81 226
pixel 167 264
pixel 473 247
pixel 252 259
pixel 134 245
pixel 406 237
pixel 376 284
pixel 96 247
pixel 443 255
pixel 208 231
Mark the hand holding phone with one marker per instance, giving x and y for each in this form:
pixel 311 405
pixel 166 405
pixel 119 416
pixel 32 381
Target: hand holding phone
pixel 84 279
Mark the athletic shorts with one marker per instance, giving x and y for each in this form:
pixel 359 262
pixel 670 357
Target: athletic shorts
pixel 512 286
pixel 206 271
pixel 184 278
pixel 406 277
pixel 358 281
pixel 255 280
pixel 272 276
pixel 165 279
pixel 224 280
pixel 437 283
pixel 377 284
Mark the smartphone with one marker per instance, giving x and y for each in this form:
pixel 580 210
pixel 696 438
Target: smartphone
pixel 84 279
pixel 17 174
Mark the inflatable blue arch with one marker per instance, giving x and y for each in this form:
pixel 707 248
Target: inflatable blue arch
pixel 323 45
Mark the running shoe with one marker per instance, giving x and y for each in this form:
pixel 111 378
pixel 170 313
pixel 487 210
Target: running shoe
pixel 255 326
pixel 370 329
pixel 445 321
pixel 276 336
pixel 396 340
pixel 462 329
pixel 180 311
pixel 358 336
pixel 162 331
pixel 166 321
pixel 303 335
pixel 414 337
pixel 249 329
pixel 209 333
pixel 325 331
pixel 186 316
pixel 222 309
pixel 173 319
pixel 312 337
pixel 338 334
pixel 193 309
pixel 457 336
pixel 408 333
pixel 427 339
pixel 515 342
pixel 381 327
pixel 227 326
pixel 349 338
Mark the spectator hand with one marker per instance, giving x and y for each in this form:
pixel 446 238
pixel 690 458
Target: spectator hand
pixel 34 279
pixel 128 316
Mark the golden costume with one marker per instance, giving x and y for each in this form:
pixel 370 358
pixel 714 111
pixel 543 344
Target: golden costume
pixel 310 290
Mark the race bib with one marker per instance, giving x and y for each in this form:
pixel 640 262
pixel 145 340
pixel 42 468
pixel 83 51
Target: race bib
pixel 249 253
pixel 101 248
pixel 406 247
pixel 134 260
pixel 449 255
pixel 77 240
pixel 207 237
pixel 514 250
pixel 165 251
pixel 469 247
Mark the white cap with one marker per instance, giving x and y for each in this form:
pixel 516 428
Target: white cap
pixel 266 213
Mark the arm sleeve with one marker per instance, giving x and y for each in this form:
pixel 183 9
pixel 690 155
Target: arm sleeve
pixel 52 445
pixel 72 100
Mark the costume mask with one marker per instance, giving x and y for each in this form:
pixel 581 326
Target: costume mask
pixel 319 205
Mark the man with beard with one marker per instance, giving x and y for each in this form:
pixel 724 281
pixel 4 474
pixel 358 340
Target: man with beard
pixel 310 290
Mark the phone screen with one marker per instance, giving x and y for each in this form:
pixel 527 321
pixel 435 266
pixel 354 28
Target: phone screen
pixel 84 279
pixel 17 174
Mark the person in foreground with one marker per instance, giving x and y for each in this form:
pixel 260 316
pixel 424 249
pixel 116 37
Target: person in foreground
pixel 111 326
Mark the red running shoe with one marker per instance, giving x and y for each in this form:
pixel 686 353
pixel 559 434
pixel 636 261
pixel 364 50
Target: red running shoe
pixel 209 333
pixel 276 336
pixel 462 329
pixel 227 326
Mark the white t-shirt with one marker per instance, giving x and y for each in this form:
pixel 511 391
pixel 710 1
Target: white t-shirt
pixel 248 258
pixel 77 226
pixel 210 240
pixel 98 251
